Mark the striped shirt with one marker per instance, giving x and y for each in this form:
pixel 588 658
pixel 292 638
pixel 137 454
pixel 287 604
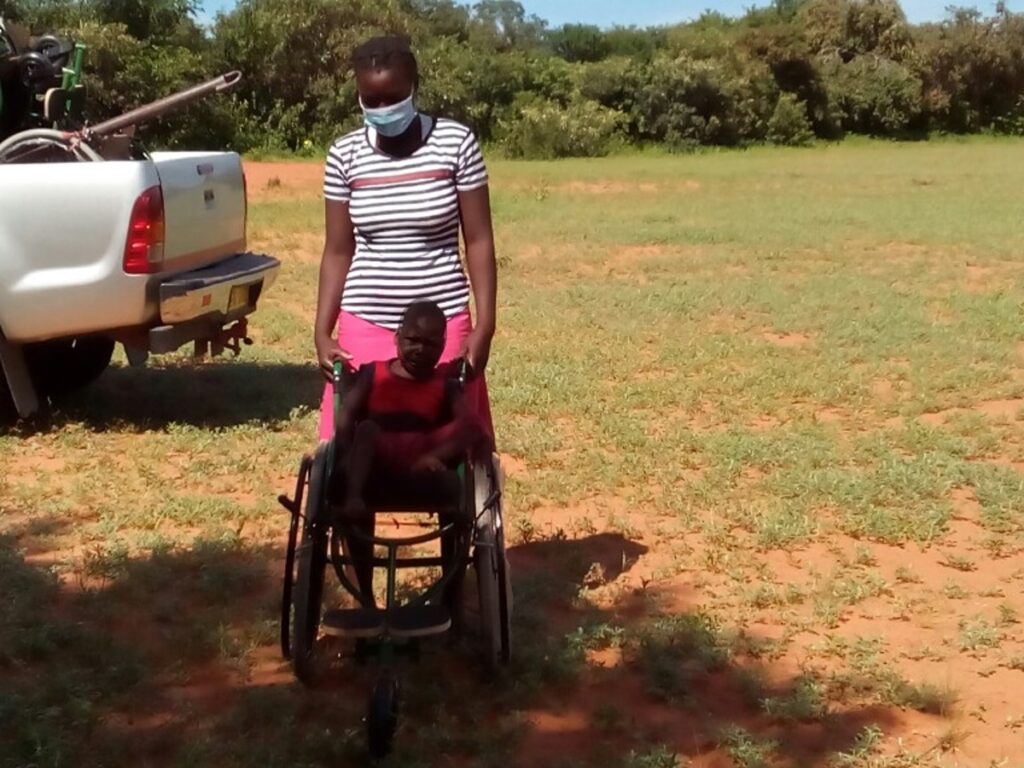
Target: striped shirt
pixel 405 212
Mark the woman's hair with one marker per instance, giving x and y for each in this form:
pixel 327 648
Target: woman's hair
pixel 387 52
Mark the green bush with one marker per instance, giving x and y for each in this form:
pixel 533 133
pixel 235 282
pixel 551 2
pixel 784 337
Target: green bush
pixel 875 96
pixel 684 101
pixel 849 65
pixel 788 124
pixel 543 130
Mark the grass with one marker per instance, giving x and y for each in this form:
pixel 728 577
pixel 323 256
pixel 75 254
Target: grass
pixel 762 409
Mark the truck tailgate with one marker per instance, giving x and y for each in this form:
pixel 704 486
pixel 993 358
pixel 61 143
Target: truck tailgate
pixel 204 207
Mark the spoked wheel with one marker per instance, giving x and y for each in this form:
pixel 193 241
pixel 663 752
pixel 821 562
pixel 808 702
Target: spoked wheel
pixel 294 506
pixel 311 557
pixel 382 715
pixel 494 588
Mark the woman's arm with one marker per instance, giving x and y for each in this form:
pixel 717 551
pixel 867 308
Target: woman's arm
pixel 339 248
pixel 478 232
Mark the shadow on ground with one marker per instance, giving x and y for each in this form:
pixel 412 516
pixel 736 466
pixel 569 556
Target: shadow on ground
pixel 217 394
pixel 169 657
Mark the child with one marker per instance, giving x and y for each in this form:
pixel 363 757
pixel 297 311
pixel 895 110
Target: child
pixel 406 414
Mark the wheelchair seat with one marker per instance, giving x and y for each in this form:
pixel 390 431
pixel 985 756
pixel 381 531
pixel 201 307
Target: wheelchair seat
pixel 388 491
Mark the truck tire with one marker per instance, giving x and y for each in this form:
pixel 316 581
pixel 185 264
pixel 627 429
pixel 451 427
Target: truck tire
pixel 7 412
pixel 65 365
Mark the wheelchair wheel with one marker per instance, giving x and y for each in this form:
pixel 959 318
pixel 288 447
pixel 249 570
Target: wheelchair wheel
pixel 295 508
pixel 494 588
pixel 382 715
pixel 311 557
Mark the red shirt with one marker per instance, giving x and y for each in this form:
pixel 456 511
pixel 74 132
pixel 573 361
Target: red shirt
pixel 399 403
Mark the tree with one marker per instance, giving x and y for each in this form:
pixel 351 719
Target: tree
pixel 505 22
pixel 850 28
pixel 579 42
pixel 148 19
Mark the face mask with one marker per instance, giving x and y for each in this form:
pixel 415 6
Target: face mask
pixel 390 121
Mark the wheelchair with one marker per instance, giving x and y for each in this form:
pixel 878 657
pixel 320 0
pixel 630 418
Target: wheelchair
pixel 462 506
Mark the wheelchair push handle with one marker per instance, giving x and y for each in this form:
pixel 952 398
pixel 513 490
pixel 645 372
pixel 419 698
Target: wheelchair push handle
pixel 337 382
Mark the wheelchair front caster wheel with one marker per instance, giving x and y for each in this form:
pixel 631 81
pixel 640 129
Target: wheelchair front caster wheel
pixel 382 715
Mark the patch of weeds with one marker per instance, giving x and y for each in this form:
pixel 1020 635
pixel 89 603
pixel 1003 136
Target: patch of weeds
pixel 867 744
pixel 746 750
pixel 782 527
pixel 1000 491
pixel 864 556
pixel 583 526
pixel 923 697
pixel 978 634
pixel 805 701
pixel 596 637
pixel 765 596
pixel 1017 662
pixel 742 643
pixel 998 547
pixel 871 678
pixel 1008 615
pixel 954 591
pixel 542 657
pixel 845 591
pixel 526 529
pixel 104 563
pixel 953 738
pixel 673 650
pixel 659 757
pixel 959 562
pixel 905 575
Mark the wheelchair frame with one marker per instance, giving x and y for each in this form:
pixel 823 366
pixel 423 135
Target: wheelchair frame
pixel 473 534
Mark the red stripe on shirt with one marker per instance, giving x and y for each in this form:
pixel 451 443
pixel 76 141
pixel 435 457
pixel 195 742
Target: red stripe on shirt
pixel 377 181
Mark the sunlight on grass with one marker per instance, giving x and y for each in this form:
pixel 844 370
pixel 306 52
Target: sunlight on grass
pixel 788 385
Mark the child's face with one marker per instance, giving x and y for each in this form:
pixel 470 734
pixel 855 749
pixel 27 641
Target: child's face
pixel 420 344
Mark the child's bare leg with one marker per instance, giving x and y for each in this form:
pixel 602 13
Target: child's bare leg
pixel 457 438
pixel 360 462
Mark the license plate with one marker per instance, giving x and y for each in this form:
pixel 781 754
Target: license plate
pixel 239 297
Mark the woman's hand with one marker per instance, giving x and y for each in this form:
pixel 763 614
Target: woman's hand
pixel 477 349
pixel 327 353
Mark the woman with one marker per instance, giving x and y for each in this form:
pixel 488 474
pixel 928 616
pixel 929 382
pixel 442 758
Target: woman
pixel 397 192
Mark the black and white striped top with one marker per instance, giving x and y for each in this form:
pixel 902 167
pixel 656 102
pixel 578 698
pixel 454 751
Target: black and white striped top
pixel 405 212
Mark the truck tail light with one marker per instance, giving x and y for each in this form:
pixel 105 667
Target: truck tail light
pixel 144 248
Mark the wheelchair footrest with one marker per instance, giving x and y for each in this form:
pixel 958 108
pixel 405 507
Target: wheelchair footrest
pixel 419 621
pixel 405 622
pixel 354 622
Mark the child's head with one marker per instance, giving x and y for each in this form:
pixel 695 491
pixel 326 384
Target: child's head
pixel 420 338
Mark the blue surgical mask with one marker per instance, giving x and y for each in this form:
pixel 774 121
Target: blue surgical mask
pixel 390 121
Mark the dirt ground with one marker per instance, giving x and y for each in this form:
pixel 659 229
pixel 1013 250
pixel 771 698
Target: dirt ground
pixel 985 721
pixel 692 636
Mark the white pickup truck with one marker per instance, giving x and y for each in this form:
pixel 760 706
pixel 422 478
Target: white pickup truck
pixel 150 253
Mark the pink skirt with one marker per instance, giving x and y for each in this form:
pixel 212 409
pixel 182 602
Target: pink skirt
pixel 368 342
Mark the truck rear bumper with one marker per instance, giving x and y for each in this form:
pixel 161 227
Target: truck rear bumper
pixel 196 305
